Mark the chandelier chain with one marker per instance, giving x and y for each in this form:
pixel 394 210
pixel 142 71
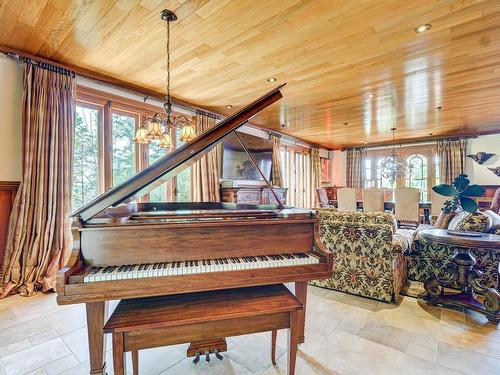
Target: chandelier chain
pixel 168 60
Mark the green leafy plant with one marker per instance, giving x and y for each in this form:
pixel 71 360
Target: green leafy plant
pixel 460 192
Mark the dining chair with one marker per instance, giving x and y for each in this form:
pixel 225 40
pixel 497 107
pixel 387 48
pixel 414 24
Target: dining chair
pixel 406 206
pixel 346 199
pixel 373 200
pixel 322 198
pixel 437 203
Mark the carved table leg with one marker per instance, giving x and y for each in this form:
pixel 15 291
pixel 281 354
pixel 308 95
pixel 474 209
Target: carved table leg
pixel 96 317
pixel 301 294
pixel 466 277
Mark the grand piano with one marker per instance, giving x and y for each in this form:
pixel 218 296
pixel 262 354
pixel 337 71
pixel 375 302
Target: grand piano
pixel 125 249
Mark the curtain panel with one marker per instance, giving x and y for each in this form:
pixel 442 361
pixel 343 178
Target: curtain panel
pixel 39 237
pixel 355 171
pixel 206 171
pixel 315 175
pixel 452 155
pixel 277 173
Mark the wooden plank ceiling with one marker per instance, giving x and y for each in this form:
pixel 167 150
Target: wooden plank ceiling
pixel 354 62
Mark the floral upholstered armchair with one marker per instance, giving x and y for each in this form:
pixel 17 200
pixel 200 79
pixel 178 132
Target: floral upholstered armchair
pixel 368 255
pixel 425 259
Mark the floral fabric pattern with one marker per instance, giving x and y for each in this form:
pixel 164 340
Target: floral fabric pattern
pixel 466 221
pixel 368 259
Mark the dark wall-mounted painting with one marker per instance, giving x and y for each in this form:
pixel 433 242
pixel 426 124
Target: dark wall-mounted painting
pixel 325 170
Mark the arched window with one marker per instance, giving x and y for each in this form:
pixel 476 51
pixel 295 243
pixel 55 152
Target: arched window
pixel 382 182
pixel 417 174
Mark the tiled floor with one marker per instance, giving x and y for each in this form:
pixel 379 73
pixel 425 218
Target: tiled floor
pixel 344 335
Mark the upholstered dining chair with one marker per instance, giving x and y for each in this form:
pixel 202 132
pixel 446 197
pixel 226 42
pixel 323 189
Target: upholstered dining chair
pixel 437 203
pixel 322 198
pixel 406 206
pixel 373 200
pixel 346 199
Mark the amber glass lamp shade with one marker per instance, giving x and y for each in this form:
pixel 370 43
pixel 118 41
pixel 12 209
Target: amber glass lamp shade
pixel 155 128
pixel 187 133
pixel 141 135
pixel 166 141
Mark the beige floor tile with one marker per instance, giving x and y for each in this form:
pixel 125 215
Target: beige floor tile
pixel 22 331
pixel 61 365
pixel 357 301
pixel 215 367
pixel 77 342
pixel 80 369
pixel 387 335
pixel 35 357
pixel 68 320
pixel 442 370
pixel 39 371
pixel 42 337
pixel 466 360
pixel 423 347
pixel 14 347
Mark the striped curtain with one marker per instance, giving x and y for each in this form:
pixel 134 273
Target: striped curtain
pixel 452 155
pixel 315 175
pixel 39 237
pixel 355 171
pixel 206 171
pixel 277 174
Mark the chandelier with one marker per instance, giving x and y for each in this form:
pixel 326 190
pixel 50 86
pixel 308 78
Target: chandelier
pixel 158 126
pixel 393 167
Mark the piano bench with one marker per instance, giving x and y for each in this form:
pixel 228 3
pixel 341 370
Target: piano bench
pixel 144 323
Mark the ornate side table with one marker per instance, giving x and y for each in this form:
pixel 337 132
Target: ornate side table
pixel 464 274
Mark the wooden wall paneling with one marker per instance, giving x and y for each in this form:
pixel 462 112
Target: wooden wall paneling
pixel 8 190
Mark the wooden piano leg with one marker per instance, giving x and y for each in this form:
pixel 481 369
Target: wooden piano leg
pixel 301 294
pixel 96 315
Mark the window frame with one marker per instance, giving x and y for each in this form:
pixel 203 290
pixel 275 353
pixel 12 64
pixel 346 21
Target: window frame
pixel 107 104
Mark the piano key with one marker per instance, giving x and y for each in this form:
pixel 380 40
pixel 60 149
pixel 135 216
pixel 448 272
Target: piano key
pixel 194 266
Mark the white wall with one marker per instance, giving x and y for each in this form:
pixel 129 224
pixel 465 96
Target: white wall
pixel 480 174
pixel 11 95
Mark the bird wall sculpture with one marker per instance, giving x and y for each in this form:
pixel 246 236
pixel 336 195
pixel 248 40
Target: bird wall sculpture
pixel 480 157
pixel 495 170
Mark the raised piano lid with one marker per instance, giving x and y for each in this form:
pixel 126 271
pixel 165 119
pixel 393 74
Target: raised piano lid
pixel 173 163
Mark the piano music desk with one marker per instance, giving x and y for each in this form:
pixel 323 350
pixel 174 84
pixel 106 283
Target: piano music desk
pixel 158 321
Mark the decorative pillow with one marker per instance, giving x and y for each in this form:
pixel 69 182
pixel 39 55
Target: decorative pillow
pixel 443 220
pixel 474 222
pixel 495 220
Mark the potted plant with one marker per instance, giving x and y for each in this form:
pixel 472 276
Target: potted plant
pixel 459 192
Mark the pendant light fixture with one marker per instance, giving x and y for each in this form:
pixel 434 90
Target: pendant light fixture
pixel 158 127
pixel 392 167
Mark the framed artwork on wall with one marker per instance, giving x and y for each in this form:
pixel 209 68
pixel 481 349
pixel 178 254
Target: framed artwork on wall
pixel 325 169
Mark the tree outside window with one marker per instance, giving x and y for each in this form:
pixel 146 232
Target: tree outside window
pixel 85 156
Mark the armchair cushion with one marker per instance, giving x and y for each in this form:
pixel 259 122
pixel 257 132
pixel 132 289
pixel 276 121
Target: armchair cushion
pixel 368 259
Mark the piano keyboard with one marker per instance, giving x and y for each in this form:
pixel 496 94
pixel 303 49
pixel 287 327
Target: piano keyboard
pixel 137 271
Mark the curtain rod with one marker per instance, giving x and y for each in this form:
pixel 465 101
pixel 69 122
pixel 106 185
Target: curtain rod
pixel 411 143
pixel 20 57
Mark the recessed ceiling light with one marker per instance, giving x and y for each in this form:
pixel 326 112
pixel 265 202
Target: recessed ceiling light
pixel 272 79
pixel 423 28
pixel 346 123
pixel 439 109
pixel 430 133
pixel 370 95
pixel 229 106
pixel 365 142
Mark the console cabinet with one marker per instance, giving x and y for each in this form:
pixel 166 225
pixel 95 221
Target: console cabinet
pixel 252 195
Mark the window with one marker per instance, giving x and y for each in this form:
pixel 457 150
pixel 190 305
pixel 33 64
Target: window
pixel 183 179
pixel 296 169
pixel 369 178
pixel 155 153
pixel 105 154
pixel 417 174
pixel 382 182
pixel 86 157
pixel 123 150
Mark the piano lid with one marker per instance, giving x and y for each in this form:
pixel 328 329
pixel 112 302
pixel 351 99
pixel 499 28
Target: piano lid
pixel 174 162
